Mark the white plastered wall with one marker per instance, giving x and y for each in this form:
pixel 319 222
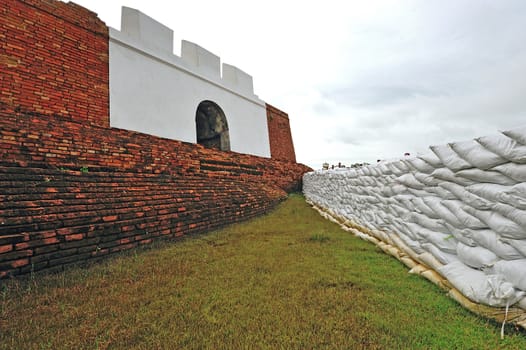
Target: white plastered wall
pixel 156 92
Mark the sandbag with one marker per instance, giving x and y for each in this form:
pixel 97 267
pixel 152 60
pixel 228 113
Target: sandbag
pixel 440 192
pixel 405 201
pixel 410 181
pixel 418 269
pixel 450 158
pixel 476 257
pixel 398 189
pixel 420 193
pixel 426 221
pixel 498 223
pixel 467 220
pixel 445 242
pixel 419 165
pixel 519 244
pixel 446 174
pixel 514 171
pixel 513 271
pixel 491 240
pixel 423 208
pixel 411 243
pixel 461 235
pixel 442 212
pixel 487 176
pixel 476 286
pixel 466 196
pixel 490 192
pixel 475 154
pixel 431 158
pixel 505 147
pixel 430 261
pixel 515 196
pixel 427 179
pixel 517 134
pixel 443 257
pixel 516 215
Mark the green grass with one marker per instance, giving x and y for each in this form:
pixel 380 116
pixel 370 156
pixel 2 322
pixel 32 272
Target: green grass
pixel 287 280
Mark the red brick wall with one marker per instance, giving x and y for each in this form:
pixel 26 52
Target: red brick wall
pixel 54 60
pixel 281 145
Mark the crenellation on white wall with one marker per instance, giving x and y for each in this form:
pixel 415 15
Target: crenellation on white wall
pixel 202 60
pixel 146 30
pixel 237 79
pixel 154 91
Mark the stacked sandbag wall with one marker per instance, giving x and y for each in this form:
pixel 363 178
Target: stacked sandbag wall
pixel 456 214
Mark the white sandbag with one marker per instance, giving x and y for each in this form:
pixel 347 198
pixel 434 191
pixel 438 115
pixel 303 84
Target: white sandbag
pixel 475 154
pixel 401 166
pixel 513 271
pixel 405 201
pixel 498 223
pixel 461 236
pixel 516 215
pixel 426 221
pixel 414 245
pixel 440 192
pixel 450 158
pixel 442 212
pixel 515 171
pixel 384 169
pixel 413 231
pixel 420 193
pixel 410 181
pixel 491 240
pixel 476 286
pixel 431 158
pixel 445 242
pixel 443 257
pixel 399 189
pixel 417 164
pixel 490 192
pixel 427 179
pixel 399 210
pixel 486 176
pixel 505 147
pixel 467 220
pixel 515 196
pixel 423 208
pixel 519 244
pixel 476 257
pixel 518 134
pixel 446 174
pixel 466 196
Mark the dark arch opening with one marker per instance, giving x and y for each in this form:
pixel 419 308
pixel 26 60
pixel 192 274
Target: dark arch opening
pixel 211 126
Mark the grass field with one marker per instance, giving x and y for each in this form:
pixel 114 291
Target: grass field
pixel 287 280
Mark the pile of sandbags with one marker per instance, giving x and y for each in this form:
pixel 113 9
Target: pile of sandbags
pixel 459 209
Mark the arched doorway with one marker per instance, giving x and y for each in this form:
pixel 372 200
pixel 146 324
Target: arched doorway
pixel 211 126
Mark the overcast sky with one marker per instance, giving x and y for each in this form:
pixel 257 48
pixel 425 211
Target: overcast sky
pixel 364 80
